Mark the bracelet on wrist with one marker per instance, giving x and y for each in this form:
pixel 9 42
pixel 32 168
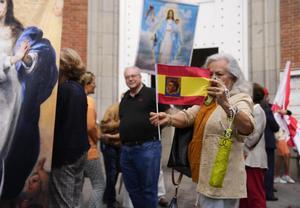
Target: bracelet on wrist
pixel 169 120
pixel 233 110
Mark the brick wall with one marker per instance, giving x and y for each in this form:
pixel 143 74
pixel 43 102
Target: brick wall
pixel 75 24
pixel 290 32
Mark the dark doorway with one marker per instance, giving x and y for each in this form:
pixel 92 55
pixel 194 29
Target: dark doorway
pixel 199 55
pixel 153 82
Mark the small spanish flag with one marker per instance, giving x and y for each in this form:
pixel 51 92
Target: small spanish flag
pixel 182 85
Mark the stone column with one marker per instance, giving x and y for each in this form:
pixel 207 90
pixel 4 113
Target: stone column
pixel 264 43
pixel 102 58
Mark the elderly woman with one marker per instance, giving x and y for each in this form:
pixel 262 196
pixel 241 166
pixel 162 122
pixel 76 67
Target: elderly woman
pixel 229 100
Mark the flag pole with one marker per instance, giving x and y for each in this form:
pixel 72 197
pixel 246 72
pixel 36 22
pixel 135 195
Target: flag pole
pixel 156 94
pixel 288 86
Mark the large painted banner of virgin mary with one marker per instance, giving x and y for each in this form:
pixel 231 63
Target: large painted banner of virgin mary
pixel 166 35
pixel 30 37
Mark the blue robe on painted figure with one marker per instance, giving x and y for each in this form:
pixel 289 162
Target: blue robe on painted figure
pixel 166 42
pixel 37 81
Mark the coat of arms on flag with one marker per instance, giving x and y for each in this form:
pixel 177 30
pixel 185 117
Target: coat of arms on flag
pixel 182 85
pixel 173 86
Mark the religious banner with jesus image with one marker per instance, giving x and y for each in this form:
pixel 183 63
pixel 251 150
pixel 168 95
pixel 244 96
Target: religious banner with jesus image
pixel 166 35
pixel 30 39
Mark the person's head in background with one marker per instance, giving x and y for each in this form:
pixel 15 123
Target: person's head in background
pixel 88 82
pixel 288 112
pixel 258 93
pixel 71 66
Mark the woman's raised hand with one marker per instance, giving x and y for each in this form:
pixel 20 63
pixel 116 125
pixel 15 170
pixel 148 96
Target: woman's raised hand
pixel 219 91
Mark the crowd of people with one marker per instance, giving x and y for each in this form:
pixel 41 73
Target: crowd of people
pixel 130 141
pixel 77 132
pixel 236 115
pixel 129 133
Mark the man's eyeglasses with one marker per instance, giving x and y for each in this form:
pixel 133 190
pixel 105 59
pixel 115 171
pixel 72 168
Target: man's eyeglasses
pixel 131 76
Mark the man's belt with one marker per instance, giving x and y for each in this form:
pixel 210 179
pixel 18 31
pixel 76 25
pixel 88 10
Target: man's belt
pixel 138 142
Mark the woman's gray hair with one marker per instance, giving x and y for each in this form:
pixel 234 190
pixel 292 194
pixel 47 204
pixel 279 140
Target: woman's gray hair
pixel 240 84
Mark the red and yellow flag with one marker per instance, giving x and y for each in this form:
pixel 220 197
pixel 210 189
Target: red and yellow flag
pixel 182 85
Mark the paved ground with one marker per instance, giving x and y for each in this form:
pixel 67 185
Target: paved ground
pixel 288 194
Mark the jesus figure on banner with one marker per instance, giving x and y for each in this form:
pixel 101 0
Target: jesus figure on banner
pixel 167 40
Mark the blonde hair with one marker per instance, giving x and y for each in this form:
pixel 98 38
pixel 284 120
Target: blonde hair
pixel 71 65
pixel 87 78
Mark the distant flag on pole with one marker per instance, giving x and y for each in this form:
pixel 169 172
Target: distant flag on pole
pixel 181 85
pixel 282 97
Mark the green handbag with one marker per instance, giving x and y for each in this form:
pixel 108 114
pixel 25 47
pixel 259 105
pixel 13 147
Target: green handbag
pixel 221 161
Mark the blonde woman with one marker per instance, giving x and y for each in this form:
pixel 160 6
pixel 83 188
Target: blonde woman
pixel 93 169
pixel 70 134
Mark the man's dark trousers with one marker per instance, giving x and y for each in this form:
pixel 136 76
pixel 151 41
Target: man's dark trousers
pixel 140 166
pixel 111 155
pixel 269 177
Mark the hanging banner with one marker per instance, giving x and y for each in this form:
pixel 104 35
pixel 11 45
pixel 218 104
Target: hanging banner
pixel 30 39
pixel 166 35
